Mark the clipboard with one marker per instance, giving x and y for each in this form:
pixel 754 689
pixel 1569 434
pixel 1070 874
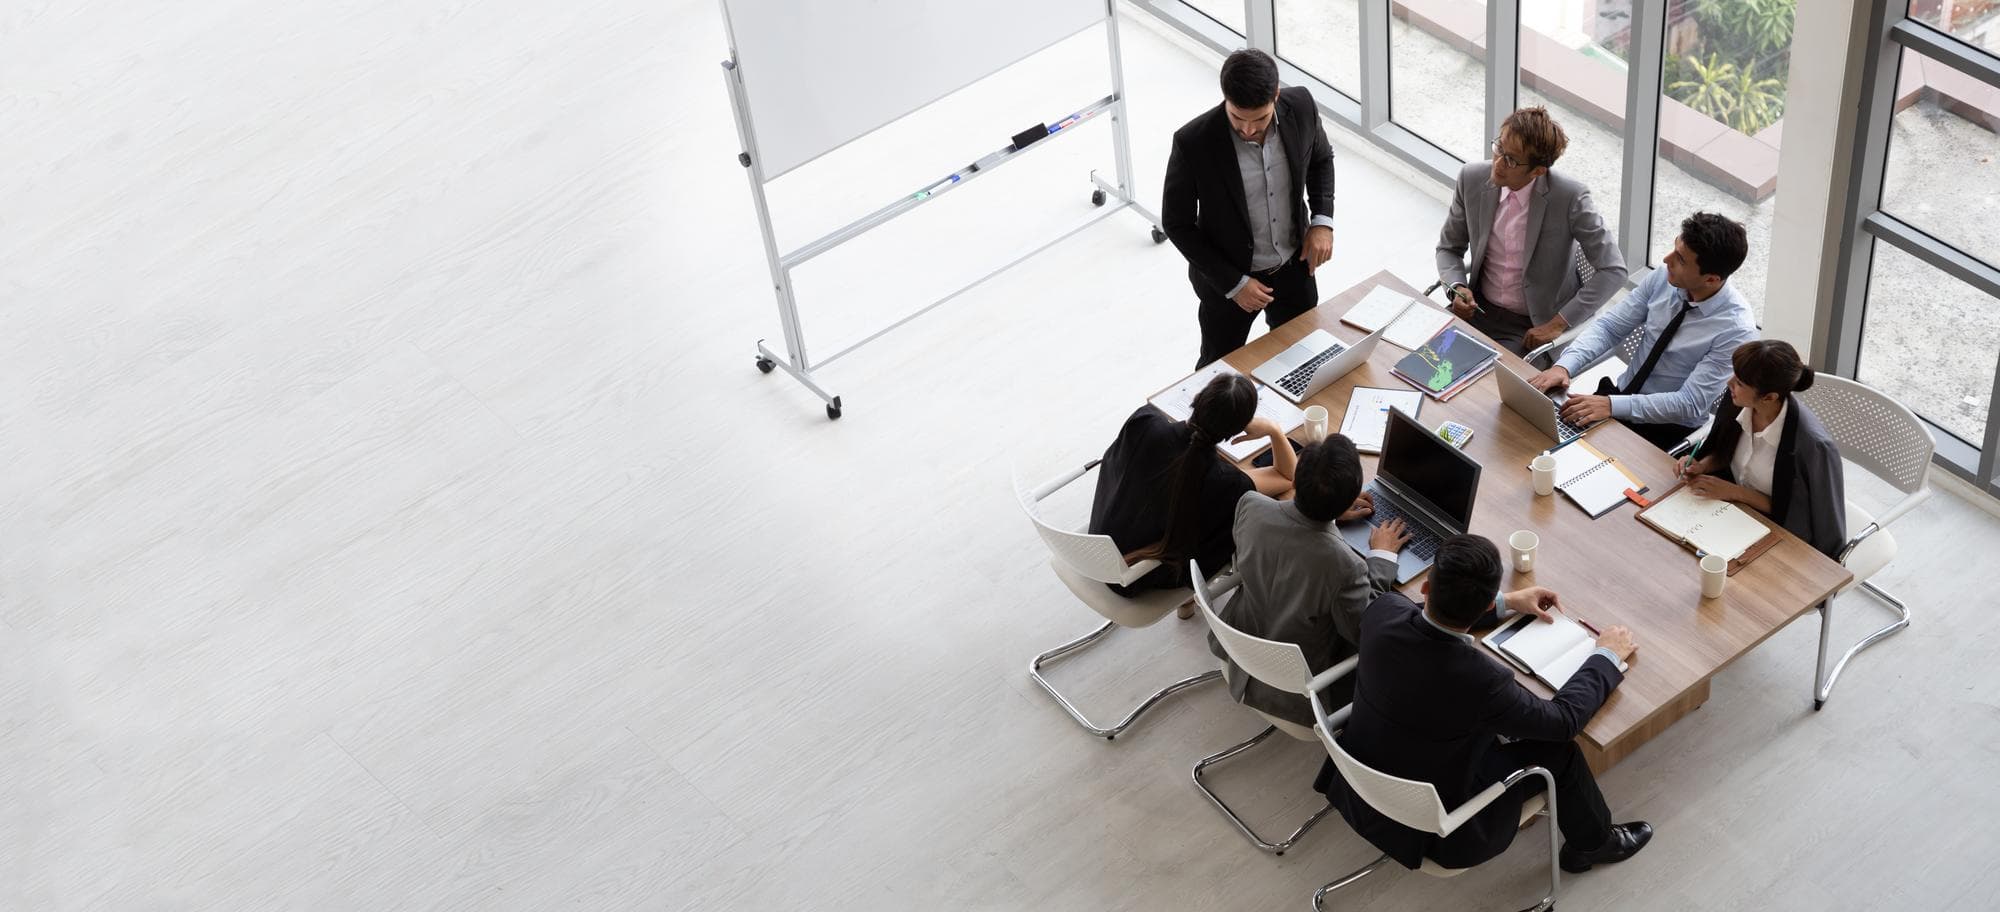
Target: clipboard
pixel 1769 541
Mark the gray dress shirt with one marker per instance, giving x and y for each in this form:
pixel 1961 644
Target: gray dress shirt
pixel 1267 197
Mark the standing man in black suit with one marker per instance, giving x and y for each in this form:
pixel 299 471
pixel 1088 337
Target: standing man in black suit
pixel 1239 181
pixel 1430 706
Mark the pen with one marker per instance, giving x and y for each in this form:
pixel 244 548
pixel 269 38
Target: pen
pixel 1588 626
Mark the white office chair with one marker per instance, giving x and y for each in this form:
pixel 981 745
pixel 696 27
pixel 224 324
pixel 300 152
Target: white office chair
pixel 1416 805
pixel 1280 665
pixel 1878 434
pixel 1086 563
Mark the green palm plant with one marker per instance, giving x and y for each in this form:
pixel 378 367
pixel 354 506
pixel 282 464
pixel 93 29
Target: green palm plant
pixel 1710 88
pixel 1758 102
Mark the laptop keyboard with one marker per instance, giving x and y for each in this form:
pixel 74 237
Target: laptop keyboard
pixel 1423 542
pixel 1302 376
pixel 1565 431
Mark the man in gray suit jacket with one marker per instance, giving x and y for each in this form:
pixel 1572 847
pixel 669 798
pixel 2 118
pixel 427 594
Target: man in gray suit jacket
pixel 1300 582
pixel 1518 219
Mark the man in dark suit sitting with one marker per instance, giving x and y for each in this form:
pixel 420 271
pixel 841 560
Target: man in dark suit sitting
pixel 1239 180
pixel 1430 706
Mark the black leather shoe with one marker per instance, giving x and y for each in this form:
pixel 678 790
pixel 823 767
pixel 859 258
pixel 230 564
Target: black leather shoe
pixel 1626 841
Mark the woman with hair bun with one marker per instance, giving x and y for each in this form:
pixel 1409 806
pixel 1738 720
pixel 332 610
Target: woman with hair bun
pixel 1164 493
pixel 1767 451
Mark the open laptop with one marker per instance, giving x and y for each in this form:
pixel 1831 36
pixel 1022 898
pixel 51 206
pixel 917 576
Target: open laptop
pixel 1427 482
pixel 1314 362
pixel 1543 410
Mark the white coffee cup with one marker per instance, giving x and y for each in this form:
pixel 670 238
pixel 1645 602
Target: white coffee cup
pixel 1524 543
pixel 1544 469
pixel 1714 573
pixel 1315 423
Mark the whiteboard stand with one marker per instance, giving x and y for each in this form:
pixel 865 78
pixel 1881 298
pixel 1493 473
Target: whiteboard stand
pixel 799 364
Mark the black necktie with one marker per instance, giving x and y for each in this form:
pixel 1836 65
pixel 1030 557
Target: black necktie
pixel 1659 348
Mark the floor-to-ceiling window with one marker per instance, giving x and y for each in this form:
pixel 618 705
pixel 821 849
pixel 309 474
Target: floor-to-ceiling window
pixel 1918 312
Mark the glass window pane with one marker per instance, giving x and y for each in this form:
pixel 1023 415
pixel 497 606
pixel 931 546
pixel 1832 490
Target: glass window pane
pixel 1323 37
pixel 1943 172
pixel 1227 12
pixel 1931 341
pixel 1437 74
pixel 1572 62
pixel 1976 21
pixel 1727 66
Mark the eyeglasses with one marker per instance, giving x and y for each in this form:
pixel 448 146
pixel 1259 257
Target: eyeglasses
pixel 1511 161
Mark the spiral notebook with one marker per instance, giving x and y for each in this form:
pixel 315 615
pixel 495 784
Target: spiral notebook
pixel 1711 526
pixel 1592 480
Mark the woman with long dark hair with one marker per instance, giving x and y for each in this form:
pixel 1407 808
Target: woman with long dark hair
pixel 1767 451
pixel 1164 493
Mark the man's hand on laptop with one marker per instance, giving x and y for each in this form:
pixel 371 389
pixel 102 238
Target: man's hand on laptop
pixel 1364 507
pixel 1389 536
pixel 1553 378
pixel 1584 411
pixel 1253 297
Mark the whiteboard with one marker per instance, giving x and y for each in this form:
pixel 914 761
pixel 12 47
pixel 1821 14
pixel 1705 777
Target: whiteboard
pixel 819 73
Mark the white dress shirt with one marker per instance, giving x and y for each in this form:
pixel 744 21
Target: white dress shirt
pixel 1756 453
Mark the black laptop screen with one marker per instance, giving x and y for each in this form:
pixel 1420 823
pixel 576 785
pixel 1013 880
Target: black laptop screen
pixel 1424 463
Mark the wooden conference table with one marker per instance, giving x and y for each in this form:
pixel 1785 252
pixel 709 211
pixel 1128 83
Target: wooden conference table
pixel 1611 570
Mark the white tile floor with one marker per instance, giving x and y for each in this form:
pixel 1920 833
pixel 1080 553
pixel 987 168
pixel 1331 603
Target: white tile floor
pixel 393 520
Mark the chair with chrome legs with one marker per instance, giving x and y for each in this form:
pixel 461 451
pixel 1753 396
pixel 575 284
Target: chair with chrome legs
pixel 1416 805
pixel 1086 564
pixel 1281 665
pixel 1880 435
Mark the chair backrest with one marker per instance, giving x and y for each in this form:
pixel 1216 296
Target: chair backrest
pixel 1094 556
pixel 1281 665
pixel 1872 430
pixel 1585 270
pixel 1408 802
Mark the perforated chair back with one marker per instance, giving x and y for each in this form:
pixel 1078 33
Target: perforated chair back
pixel 1094 556
pixel 1281 665
pixel 1581 265
pixel 1408 802
pixel 1873 431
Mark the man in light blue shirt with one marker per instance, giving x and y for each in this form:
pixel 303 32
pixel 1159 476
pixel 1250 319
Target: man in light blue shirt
pixel 1692 320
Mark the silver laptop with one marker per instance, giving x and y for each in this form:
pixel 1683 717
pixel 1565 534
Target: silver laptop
pixel 1543 410
pixel 1427 482
pixel 1314 362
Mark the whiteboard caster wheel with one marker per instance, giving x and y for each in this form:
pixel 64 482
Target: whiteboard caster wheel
pixel 1097 197
pixel 766 364
pixel 1159 237
pixel 833 409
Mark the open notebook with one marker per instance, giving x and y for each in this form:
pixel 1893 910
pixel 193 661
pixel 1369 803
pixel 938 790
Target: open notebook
pixel 1178 402
pixel 1410 331
pixel 1596 482
pixel 1551 652
pixel 1710 526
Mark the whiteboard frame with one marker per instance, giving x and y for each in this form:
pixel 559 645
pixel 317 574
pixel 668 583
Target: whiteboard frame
pixel 796 361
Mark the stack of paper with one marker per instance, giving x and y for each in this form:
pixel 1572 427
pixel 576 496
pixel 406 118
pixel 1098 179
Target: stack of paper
pixel 1367 418
pixel 1446 363
pixel 1178 402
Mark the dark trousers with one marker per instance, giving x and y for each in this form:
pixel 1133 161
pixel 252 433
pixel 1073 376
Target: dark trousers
pixel 1225 326
pixel 1580 810
pixel 1503 326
